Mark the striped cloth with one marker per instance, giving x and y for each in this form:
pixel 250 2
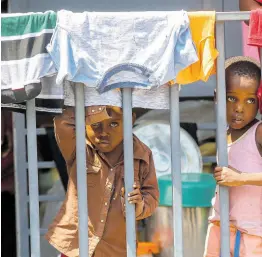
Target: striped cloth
pixel 25 63
pixel 24 59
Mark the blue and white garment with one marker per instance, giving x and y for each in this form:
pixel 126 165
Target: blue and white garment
pixel 116 50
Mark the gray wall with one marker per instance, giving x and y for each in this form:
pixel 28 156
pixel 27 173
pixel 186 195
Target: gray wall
pixel 233 30
pixel 114 5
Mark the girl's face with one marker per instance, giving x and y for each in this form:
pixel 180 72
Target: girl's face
pixel 242 102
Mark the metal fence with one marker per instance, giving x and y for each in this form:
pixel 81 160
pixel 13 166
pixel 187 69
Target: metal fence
pixel 25 249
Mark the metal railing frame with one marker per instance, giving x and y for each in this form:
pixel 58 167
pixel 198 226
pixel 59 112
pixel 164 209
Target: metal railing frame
pixel 32 165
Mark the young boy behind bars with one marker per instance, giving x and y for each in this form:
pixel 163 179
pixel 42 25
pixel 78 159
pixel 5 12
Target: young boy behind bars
pixel 105 183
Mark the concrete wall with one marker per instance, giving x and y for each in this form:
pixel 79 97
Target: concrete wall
pixel 233 30
pixel 114 5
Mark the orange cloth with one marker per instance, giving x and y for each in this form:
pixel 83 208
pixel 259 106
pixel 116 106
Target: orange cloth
pixel 202 26
pixel 250 246
pixel 146 248
pixel 142 249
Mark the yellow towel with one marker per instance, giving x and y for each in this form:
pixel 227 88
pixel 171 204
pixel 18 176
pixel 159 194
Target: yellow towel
pixel 202 26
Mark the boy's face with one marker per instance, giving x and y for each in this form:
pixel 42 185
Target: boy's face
pixel 242 103
pixel 107 134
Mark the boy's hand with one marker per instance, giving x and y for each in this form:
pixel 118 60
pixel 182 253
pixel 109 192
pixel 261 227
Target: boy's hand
pixel 135 197
pixel 228 176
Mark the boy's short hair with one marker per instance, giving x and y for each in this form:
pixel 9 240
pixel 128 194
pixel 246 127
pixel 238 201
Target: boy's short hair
pixel 243 66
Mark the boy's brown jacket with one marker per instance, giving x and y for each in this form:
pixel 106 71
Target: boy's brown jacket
pixel 107 227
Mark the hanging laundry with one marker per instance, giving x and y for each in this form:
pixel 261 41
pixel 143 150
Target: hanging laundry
pixel 116 50
pixel 255 28
pixel 202 25
pixel 24 58
pixel 251 51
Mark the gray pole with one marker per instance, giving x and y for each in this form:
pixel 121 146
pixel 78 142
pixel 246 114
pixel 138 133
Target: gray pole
pixel 20 173
pixel 176 170
pixel 221 137
pixel 129 172
pixel 81 170
pixel 20 177
pixel 33 178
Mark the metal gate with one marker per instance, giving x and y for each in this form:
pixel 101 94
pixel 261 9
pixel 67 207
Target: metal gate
pixel 21 181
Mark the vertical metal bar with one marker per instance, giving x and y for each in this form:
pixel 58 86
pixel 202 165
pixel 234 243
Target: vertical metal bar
pixel 33 178
pixel 221 137
pixel 129 172
pixel 176 170
pixel 81 170
pixel 20 177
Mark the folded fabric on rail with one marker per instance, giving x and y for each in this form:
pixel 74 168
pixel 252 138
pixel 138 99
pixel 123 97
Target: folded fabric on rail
pixel 255 28
pixel 77 66
pixel 24 58
pixel 202 26
pixel 117 50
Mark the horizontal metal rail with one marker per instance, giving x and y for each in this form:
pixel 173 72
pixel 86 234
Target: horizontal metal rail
pixel 39 131
pixel 232 16
pixel 43 231
pixel 208 159
pixel 207 126
pixel 50 198
pixel 45 165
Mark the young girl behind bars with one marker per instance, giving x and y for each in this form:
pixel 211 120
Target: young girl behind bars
pixel 243 176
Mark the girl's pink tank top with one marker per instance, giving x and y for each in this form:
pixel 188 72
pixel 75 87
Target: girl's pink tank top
pixel 245 202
